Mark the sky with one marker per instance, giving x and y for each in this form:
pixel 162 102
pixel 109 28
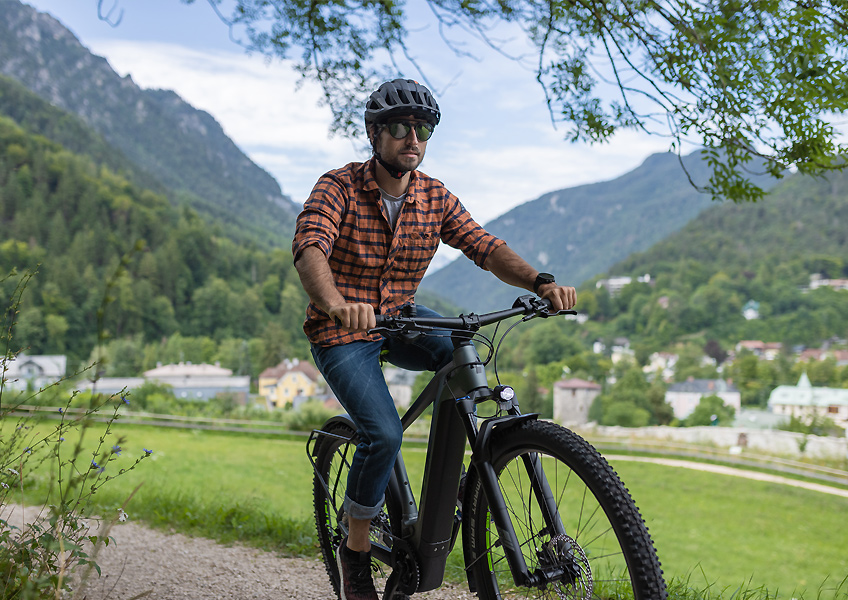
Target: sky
pixel 495 147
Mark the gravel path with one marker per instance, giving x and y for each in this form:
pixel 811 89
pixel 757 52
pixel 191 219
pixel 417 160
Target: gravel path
pixel 145 563
pixel 142 563
pixel 153 565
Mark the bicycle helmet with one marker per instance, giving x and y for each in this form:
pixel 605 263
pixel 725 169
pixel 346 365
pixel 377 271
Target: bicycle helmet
pixel 401 97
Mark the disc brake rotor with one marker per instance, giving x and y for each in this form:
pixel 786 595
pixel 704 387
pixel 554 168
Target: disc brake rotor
pixel 563 551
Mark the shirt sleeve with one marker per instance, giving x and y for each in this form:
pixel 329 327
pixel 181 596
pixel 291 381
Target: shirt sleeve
pixel 318 222
pixel 461 231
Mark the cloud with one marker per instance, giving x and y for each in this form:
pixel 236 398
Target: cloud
pixel 493 179
pixel 495 147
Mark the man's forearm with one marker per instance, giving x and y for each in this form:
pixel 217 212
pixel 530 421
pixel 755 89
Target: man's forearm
pixel 317 279
pixel 514 270
pixel 510 268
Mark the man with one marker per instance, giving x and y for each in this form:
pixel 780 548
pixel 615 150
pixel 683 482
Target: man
pixel 362 244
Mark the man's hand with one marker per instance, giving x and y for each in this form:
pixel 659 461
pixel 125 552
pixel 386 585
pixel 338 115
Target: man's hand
pixel 561 297
pixel 354 316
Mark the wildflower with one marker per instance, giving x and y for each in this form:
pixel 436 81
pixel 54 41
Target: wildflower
pixel 61 439
pixel 28 450
pixel 94 465
pixel 122 516
pixel 13 472
pixel 147 452
pixel 61 411
pixel 125 400
pixel 116 450
pixel 5 486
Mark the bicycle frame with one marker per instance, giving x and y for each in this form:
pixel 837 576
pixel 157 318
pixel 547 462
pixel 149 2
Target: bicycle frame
pixel 429 532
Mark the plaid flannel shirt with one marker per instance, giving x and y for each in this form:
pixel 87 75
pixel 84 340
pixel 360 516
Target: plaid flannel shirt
pixel 345 219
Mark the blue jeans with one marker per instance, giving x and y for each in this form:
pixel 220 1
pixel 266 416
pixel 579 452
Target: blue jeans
pixel 354 374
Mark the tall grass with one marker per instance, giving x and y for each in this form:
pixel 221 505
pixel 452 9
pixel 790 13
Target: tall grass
pixel 40 556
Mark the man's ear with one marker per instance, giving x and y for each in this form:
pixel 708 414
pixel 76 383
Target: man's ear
pixel 373 132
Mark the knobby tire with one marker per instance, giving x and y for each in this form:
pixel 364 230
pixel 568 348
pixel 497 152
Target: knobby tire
pixel 615 553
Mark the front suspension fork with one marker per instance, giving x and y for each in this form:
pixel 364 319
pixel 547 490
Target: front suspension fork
pixel 498 506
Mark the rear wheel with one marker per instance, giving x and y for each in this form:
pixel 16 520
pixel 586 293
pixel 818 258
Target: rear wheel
pixel 333 454
pixel 602 551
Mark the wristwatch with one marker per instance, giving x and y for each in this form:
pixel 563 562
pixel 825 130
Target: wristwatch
pixel 542 279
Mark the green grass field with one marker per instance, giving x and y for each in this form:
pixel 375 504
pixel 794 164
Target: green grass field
pixel 714 531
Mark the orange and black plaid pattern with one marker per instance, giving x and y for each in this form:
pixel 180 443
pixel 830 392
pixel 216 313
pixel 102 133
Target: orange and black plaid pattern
pixel 372 264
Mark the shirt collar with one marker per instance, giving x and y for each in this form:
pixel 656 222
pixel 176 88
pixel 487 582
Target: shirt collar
pixel 369 180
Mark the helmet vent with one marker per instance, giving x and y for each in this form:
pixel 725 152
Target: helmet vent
pixel 399 98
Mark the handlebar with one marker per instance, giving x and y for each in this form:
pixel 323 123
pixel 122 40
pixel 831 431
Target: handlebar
pixel 529 306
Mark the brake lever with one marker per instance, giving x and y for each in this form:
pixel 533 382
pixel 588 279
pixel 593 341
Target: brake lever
pixel 382 330
pixel 559 313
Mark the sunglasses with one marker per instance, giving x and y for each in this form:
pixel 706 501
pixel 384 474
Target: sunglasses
pixel 400 129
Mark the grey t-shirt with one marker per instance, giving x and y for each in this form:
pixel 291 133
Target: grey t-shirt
pixel 392 205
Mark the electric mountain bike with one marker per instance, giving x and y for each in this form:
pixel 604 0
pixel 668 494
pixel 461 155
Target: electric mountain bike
pixel 542 513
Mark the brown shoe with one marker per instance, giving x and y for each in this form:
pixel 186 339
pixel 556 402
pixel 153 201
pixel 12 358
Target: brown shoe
pixel 355 573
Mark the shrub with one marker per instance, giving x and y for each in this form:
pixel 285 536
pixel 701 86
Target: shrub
pixel 39 559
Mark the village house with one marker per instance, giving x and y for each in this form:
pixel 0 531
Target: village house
pixel 764 350
pixel 684 397
pixel 818 354
pixel 188 381
pixel 751 310
pixel 572 400
pixel 620 349
pixel 615 284
pixel 289 382
pixel 200 381
pixel 818 280
pixel 34 372
pixel 806 402
pixel 662 363
pixel 400 382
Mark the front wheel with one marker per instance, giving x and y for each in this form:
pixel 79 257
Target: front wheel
pixel 598 549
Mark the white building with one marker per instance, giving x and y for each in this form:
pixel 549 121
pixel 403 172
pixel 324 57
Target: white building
pixel 806 402
pixel 615 284
pixel 188 381
pixel 751 310
pixel 662 363
pixel 684 397
pixel 818 280
pixel 400 382
pixel 34 372
pixel 620 349
pixel 764 350
pixel 572 400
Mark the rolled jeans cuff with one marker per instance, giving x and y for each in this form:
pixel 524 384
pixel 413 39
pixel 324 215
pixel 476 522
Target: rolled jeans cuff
pixel 355 510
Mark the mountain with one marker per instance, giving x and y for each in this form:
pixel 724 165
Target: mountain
pixel 183 148
pixel 761 256
pixel 37 116
pixel 579 232
pixel 800 219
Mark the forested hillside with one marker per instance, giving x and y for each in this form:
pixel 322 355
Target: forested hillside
pixel 731 254
pixel 185 149
pixel 74 221
pixel 579 232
